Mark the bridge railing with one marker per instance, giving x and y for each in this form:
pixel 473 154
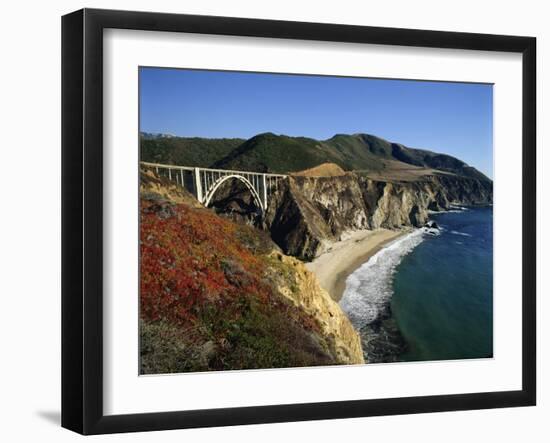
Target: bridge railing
pixel 227 171
pixel 172 172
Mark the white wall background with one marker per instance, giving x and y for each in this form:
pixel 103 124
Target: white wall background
pixel 30 218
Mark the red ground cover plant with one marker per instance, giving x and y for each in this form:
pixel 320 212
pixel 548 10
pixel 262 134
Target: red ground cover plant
pixel 188 258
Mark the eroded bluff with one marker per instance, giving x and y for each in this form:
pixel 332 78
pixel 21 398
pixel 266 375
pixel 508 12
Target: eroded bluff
pixel 307 214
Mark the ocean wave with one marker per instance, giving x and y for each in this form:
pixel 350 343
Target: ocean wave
pixel 456 208
pixel 464 234
pixel 369 288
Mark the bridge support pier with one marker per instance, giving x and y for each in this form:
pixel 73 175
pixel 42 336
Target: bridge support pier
pixel 198 184
pixel 264 192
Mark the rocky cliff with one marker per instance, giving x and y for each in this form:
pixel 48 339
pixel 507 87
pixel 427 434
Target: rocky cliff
pixel 300 285
pixel 307 214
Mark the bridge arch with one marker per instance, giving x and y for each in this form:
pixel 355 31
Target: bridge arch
pixel 210 192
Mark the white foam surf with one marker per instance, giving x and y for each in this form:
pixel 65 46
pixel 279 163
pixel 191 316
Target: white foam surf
pixel 452 208
pixel 464 234
pixel 456 208
pixel 369 288
pixel 432 231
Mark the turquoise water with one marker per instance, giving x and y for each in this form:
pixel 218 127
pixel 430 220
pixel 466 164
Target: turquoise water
pixel 443 290
pixel 428 297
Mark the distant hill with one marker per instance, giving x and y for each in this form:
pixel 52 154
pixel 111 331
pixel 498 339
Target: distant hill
pixel 363 153
pixel 442 162
pixel 155 135
pixel 192 151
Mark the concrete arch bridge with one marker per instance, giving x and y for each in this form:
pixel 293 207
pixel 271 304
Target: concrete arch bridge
pixel 204 182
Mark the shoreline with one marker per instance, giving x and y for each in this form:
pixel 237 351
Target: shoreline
pixel 334 266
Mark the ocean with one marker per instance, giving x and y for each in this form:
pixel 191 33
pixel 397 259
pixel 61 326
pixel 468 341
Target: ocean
pixel 428 296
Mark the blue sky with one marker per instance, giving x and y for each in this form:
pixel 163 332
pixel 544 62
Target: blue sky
pixel 452 118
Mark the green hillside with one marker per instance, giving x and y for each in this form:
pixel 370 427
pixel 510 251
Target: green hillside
pixel 359 152
pixel 442 162
pixel 275 153
pixel 185 151
pixel 268 152
pixel 283 154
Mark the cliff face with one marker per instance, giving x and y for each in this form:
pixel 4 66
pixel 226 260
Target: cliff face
pixel 301 287
pixel 307 214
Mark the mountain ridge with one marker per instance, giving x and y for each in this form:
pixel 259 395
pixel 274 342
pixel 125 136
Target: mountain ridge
pixel 366 154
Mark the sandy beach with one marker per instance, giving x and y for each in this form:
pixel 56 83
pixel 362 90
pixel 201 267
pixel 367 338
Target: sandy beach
pixel 333 267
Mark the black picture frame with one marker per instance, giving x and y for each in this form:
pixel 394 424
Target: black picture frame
pixel 82 218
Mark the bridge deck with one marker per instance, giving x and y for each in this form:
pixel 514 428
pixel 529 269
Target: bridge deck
pixel 225 171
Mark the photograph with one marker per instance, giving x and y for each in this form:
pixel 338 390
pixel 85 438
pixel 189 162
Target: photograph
pixel 294 220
